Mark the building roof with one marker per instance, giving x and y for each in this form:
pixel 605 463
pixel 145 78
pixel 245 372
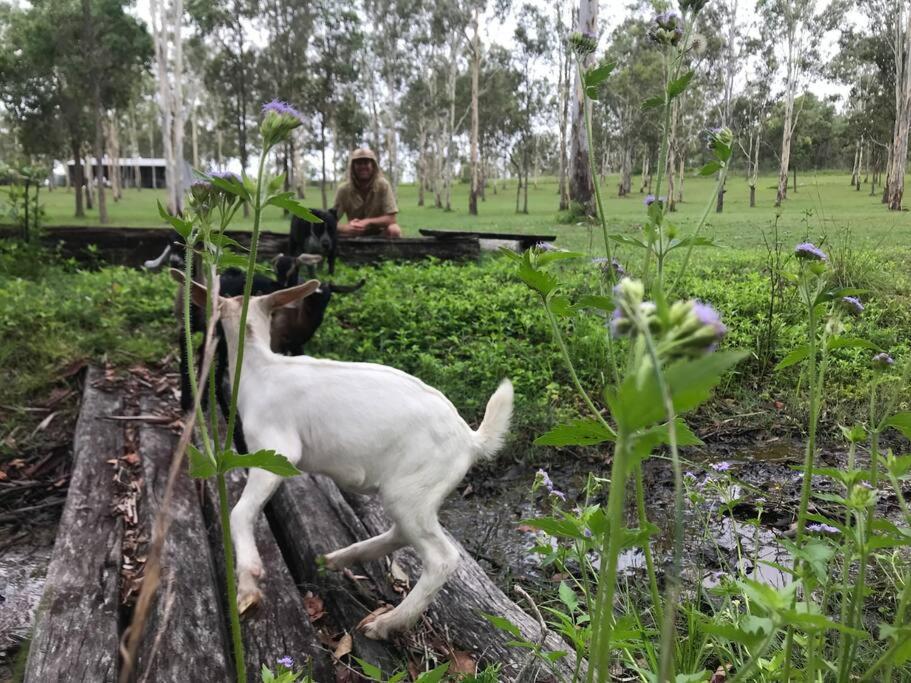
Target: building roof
pixel 125 161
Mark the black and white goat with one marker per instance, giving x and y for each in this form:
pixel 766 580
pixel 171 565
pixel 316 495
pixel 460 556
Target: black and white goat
pixel 307 237
pixel 389 434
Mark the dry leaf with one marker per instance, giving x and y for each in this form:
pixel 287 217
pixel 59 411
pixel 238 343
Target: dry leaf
pixel 314 606
pixel 131 458
pixel 462 663
pixel 344 646
pixel 3 476
pixel 527 529
pixel 44 423
pixel 468 491
pixel 18 463
pixel 720 675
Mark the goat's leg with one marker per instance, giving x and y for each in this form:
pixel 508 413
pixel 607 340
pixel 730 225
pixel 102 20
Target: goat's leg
pixel 260 487
pixel 221 376
pixel 439 557
pixel 371 549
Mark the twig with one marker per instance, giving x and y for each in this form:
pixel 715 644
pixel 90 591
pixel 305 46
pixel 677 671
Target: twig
pixel 10 516
pixel 541 638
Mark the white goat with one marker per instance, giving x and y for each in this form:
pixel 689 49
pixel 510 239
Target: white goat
pixel 388 433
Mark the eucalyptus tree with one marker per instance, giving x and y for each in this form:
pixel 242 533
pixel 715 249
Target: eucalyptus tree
pixel 336 40
pixel 581 188
pixel 901 46
pixel 795 29
pixel 226 26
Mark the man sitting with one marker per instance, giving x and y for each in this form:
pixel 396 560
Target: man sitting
pixel 366 199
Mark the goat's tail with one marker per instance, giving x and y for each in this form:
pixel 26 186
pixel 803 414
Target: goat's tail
pixel 492 433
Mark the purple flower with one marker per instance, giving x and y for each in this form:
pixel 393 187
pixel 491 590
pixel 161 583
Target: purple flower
pixel 708 316
pixel 545 479
pixel 649 198
pixel 822 528
pixel 852 305
pixel 587 533
pixel 810 252
pixel 866 485
pixel 546 246
pixel 722 466
pixel 883 360
pixel 282 109
pixel 558 494
pixel 224 175
pixel 286 662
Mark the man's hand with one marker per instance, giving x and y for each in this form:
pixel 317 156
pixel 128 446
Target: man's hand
pixel 354 227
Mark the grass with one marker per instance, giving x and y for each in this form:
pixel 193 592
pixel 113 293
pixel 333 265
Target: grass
pixel 823 204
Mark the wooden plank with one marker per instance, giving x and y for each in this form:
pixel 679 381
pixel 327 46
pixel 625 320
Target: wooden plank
pixel 279 626
pixel 76 628
pixel 132 246
pixel 525 239
pixel 186 630
pixel 463 598
pixel 310 518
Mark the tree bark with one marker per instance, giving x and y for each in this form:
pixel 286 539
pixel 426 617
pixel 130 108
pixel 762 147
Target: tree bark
pixel 166 32
pixel 475 77
pixel 78 180
pixel 565 74
pixel 895 187
pixel 581 189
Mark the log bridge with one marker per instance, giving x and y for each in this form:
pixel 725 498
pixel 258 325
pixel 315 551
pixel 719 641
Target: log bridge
pixel 123 446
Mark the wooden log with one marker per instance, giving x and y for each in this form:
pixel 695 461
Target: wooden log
pixel 459 605
pixel 186 630
pixel 131 246
pixel 310 518
pixel 279 626
pixel 76 627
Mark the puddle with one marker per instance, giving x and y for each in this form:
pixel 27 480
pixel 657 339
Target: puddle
pixel 23 569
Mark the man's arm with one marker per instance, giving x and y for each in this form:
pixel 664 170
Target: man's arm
pixel 366 226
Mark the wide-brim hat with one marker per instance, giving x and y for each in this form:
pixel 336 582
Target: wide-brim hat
pixel 363 153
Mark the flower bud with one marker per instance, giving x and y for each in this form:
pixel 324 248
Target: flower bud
pixel 852 305
pixel 883 361
pixel 583 44
pixel 807 251
pixel 279 119
pixel 666 29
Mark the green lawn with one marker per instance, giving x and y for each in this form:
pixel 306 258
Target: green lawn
pixel 825 204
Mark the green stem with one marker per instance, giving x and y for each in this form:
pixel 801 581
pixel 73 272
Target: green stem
pixel 673 582
pixel 751 664
pixel 647 548
pixel 229 576
pixel 248 290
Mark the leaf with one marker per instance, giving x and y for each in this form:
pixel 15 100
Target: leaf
pixel 603 303
pixel 344 647
pixel 563 528
pixel 561 306
pixel 677 86
pixel 182 227
pixel 631 241
pixel 901 422
pixel 699 677
pixel 581 432
pixel 266 460
pixel 201 465
pixel 568 597
pixel 591 92
pixel 693 240
pixel 851 343
pixel 287 201
pixel 598 74
pixel 653 102
pixel 266 675
pixel 833 294
pixel 710 168
pixel 794 357
pixel 543 283
pixel 374 673
pixel 549 256
pixel 434 675
pixel 231 185
pixel 503 624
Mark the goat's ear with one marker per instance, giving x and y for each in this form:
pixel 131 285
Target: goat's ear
pixel 309 259
pixel 276 258
pixel 283 297
pixel 198 293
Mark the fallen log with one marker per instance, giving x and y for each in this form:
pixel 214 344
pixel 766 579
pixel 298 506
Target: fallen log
pixel 311 517
pixel 186 624
pixel 463 600
pixel 280 625
pixel 76 626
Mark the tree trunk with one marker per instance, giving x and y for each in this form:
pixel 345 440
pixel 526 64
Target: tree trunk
pixel 89 181
pixel 645 171
pixel 626 170
pixel 78 180
pixel 681 173
pixel 322 185
pixel 166 32
pixel 565 73
pixel 581 188
pixel 475 76
pixel 194 136
pixel 451 150
pixel 787 123
pixel 855 172
pixel 895 187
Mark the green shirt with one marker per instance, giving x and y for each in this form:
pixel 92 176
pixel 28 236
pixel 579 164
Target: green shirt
pixel 379 200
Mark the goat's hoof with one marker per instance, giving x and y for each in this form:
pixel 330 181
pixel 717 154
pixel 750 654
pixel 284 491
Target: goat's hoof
pixel 376 626
pixel 332 561
pixel 248 598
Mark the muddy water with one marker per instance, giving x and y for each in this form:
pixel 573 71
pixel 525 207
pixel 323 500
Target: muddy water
pixel 733 518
